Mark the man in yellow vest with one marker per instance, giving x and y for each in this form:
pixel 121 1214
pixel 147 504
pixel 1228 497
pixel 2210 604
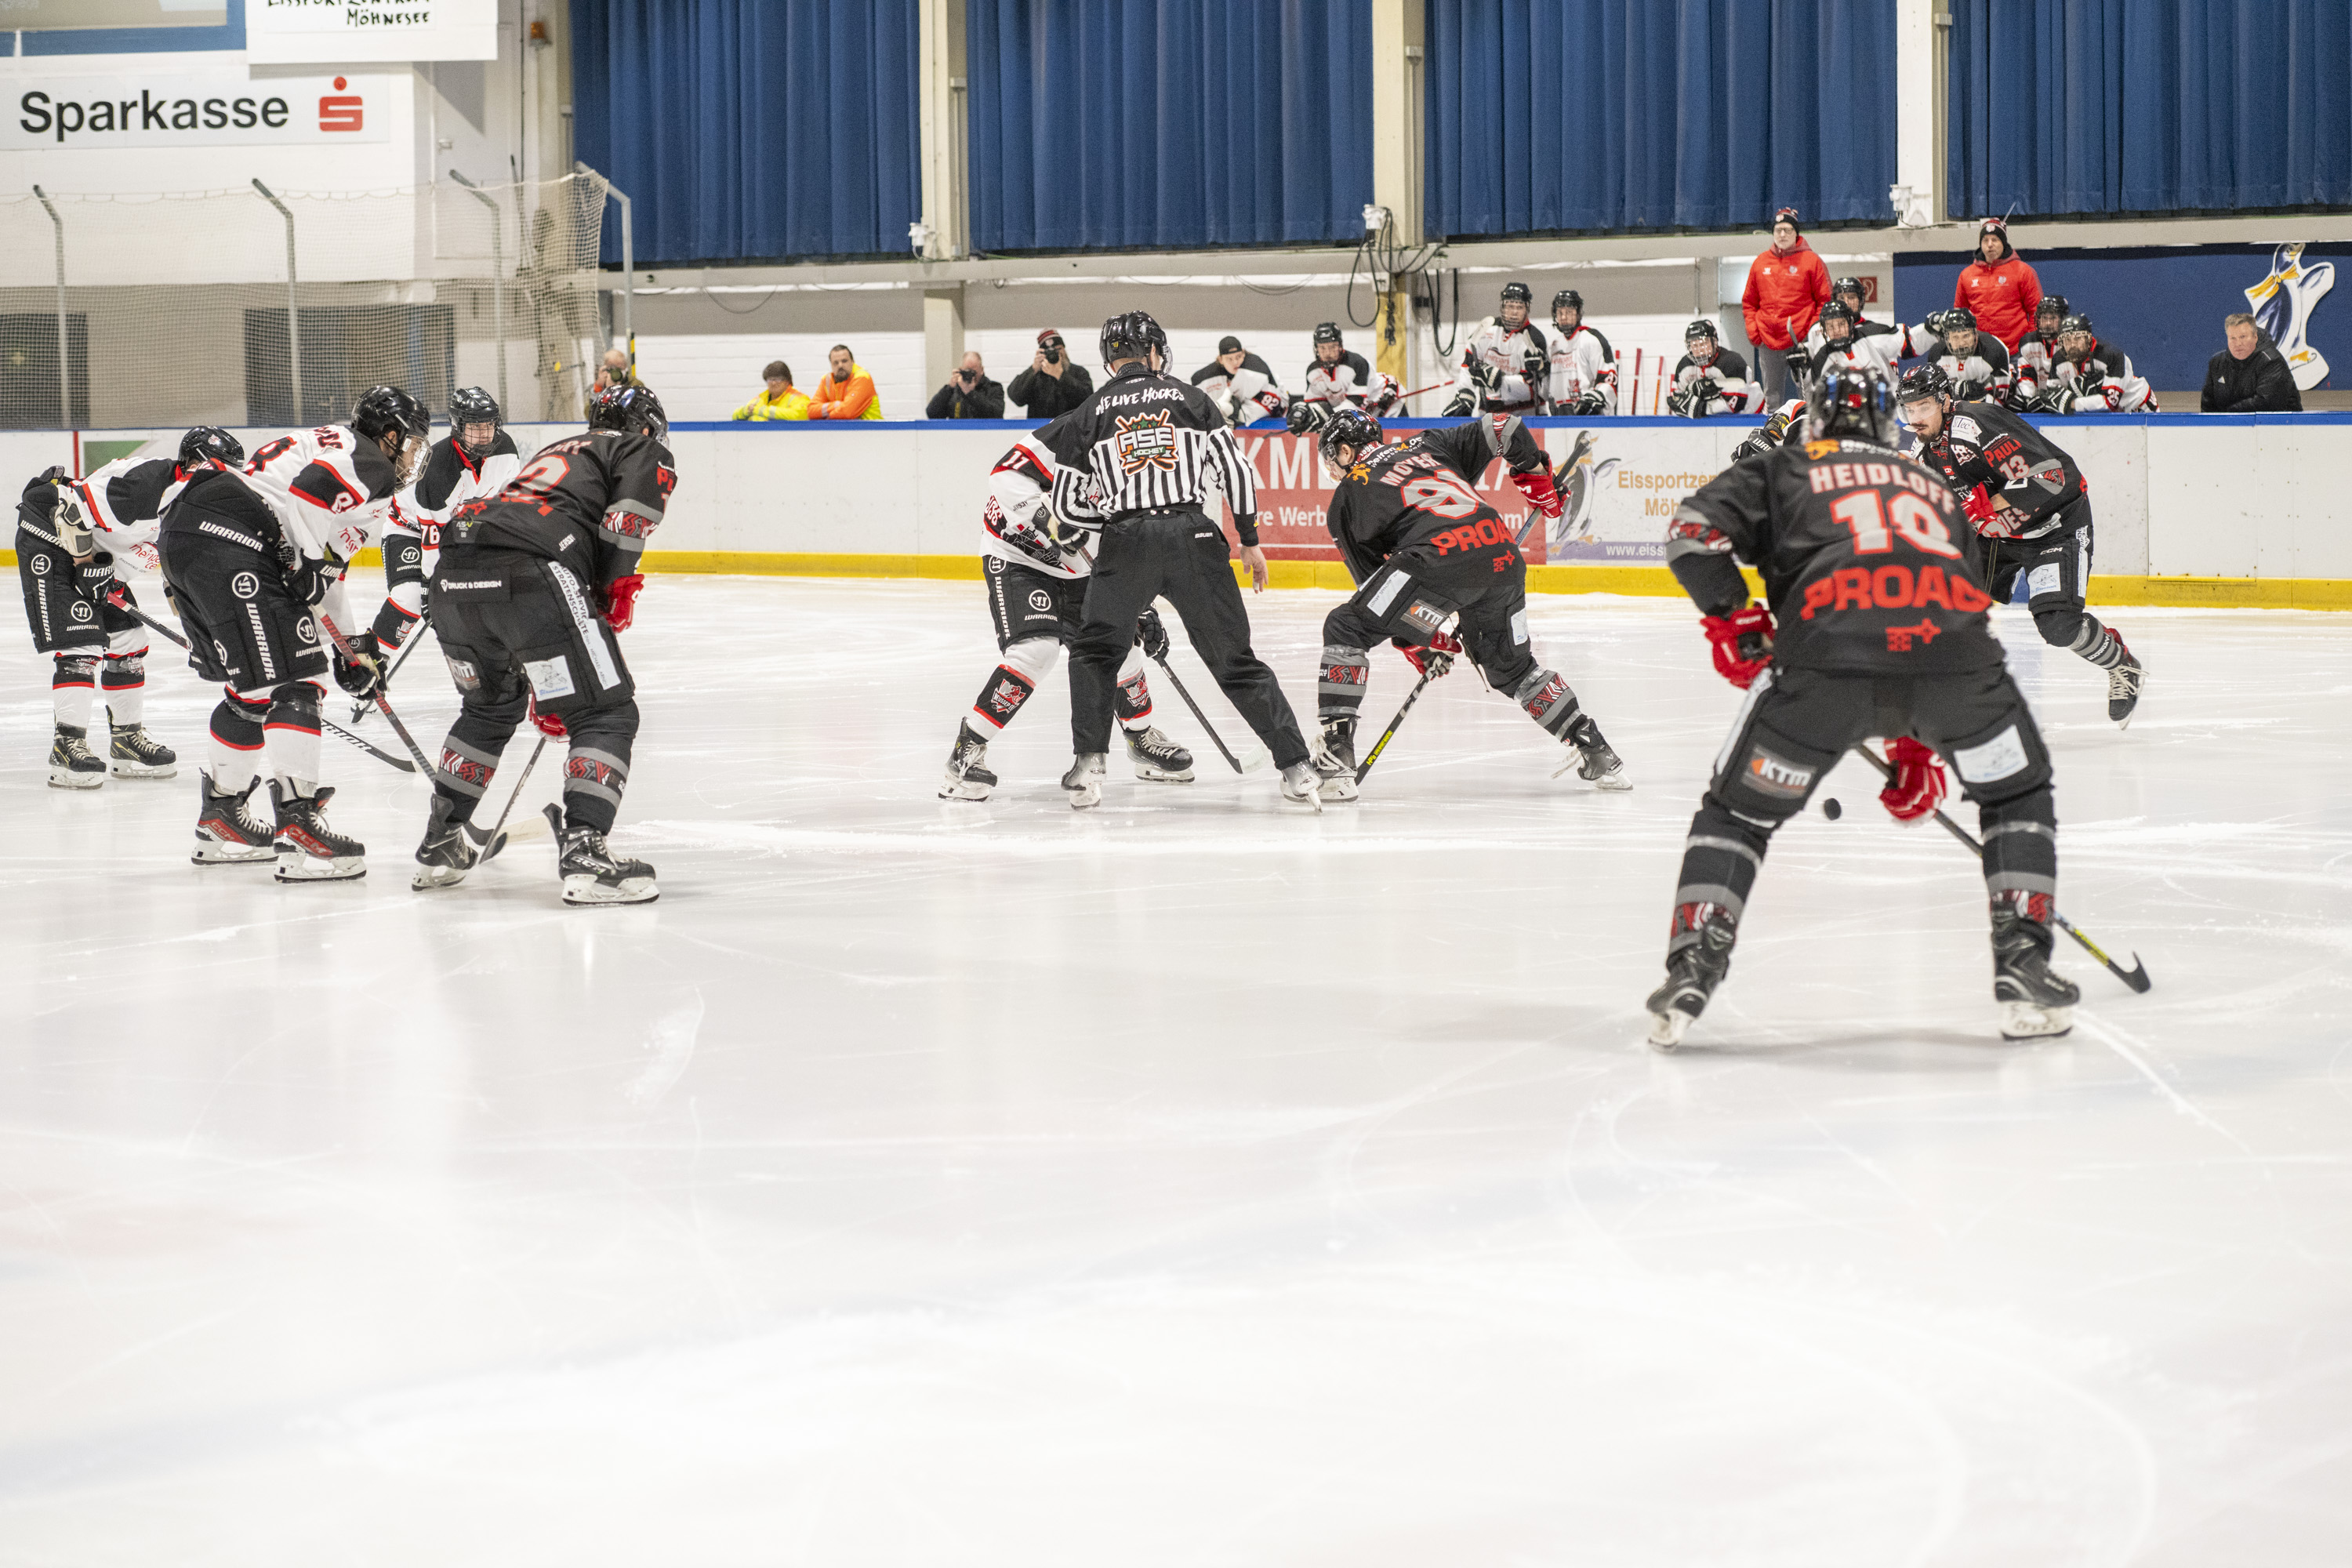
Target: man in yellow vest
pixel 781 400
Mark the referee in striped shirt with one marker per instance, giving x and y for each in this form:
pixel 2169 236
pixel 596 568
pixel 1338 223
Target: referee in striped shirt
pixel 1139 461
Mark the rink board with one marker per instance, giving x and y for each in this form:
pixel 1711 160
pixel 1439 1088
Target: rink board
pixel 2222 510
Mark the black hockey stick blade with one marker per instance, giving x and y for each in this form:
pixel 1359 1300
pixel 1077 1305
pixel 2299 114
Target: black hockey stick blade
pixel 415 636
pixel 384 705
pixel 2135 976
pixel 380 755
pixel 1203 717
pixel 149 622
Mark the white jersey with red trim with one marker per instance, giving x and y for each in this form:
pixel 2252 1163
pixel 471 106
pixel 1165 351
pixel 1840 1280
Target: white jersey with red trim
pixel 1019 488
pixel 1581 363
pixel 2101 382
pixel 1502 370
pixel 331 490
pixel 125 501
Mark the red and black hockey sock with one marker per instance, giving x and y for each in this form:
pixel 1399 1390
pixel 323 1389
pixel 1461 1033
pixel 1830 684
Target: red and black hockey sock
pixel 1133 702
pixel 1340 683
pixel 595 777
pixel 1720 859
pixel 125 682
pixel 1550 701
pixel 2099 644
pixel 73 688
pixel 233 750
pixel 1002 698
pixel 2021 855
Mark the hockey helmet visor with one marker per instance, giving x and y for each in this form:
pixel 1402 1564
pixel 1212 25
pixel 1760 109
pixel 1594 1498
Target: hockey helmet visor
pixel 1849 402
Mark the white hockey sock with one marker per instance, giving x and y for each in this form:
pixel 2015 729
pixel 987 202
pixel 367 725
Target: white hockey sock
pixel 125 684
pixel 73 687
pixel 290 737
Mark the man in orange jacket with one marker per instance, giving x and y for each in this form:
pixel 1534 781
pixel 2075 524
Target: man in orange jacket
pixel 1998 288
pixel 1787 287
pixel 846 392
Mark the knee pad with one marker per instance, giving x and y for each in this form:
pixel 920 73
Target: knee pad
pixel 75 669
pixel 1031 657
pixel 126 668
pixel 1549 700
pixel 250 705
pixel 294 705
pixel 2060 621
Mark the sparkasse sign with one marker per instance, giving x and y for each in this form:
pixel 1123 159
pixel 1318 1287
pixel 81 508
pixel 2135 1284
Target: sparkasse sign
pixel 207 109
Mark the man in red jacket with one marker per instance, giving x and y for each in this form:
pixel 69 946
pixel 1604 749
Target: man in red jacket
pixel 1787 287
pixel 1997 286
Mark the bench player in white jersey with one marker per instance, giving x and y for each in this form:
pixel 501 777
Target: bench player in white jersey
pixel 1337 379
pixel 473 462
pixel 254 560
pixel 1973 360
pixel 1847 291
pixel 2030 367
pixel 2092 377
pixel 1505 363
pixel 1036 578
pixel 1241 384
pixel 1710 378
pixel 1581 378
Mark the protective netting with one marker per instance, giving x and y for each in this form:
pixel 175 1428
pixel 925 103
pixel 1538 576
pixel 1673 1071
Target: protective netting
pixel 174 307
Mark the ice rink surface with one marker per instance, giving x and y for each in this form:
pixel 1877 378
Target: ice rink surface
pixel 1193 1182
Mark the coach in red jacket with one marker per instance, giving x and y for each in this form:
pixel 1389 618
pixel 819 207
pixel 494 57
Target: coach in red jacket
pixel 1787 287
pixel 1998 287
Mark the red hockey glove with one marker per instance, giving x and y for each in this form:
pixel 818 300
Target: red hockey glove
pixel 547 724
pixel 1977 504
pixel 1536 486
pixel 1918 786
pixel 1433 660
pixel 621 601
pixel 1742 642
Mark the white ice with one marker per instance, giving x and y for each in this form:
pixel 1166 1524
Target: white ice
pixel 1195 1182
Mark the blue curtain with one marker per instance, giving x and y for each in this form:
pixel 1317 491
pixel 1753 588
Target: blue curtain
pixel 1104 124
pixel 2107 106
pixel 1551 115
pixel 752 130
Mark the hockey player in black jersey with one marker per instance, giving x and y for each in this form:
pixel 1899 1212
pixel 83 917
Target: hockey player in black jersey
pixel 1421 546
pixel 72 534
pixel 2031 508
pixel 473 462
pixel 2028 368
pixel 254 561
pixel 1875 626
pixel 533 584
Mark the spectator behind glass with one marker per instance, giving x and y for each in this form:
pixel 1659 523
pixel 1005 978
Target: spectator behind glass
pixel 615 371
pixel 846 392
pixel 781 400
pixel 969 394
pixel 2250 376
pixel 1053 384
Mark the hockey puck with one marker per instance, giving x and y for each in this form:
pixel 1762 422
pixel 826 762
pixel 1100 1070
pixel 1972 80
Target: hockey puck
pixel 1831 809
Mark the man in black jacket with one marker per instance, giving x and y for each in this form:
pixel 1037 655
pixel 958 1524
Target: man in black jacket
pixel 969 394
pixel 2250 376
pixel 1053 384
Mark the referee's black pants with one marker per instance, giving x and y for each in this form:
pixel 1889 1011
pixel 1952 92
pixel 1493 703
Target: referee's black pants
pixel 1183 556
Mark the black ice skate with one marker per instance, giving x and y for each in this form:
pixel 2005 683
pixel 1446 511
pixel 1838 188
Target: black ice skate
pixel 308 849
pixel 444 858
pixel 1594 761
pixel 967 774
pixel 1084 781
pixel 72 764
pixel 1158 759
pixel 227 833
pixel 2123 684
pixel 591 873
pixel 2036 1002
pixel 1334 759
pixel 1692 974
pixel 136 754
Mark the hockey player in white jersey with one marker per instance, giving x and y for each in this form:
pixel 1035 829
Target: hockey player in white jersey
pixel 1241 384
pixel 1582 378
pixel 254 561
pixel 2029 367
pixel 2092 377
pixel 1840 342
pixel 1973 360
pixel 1338 378
pixel 1847 291
pixel 1710 378
pixel 473 462
pixel 1036 576
pixel 1505 363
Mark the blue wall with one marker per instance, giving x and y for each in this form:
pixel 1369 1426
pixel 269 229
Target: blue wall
pixel 1640 115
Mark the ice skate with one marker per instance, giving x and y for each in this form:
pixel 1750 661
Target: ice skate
pixel 2036 1002
pixel 1158 759
pixel 136 754
pixel 1084 781
pixel 227 833
pixel 72 764
pixel 2123 684
pixel 308 850
pixel 1301 786
pixel 1594 762
pixel 968 775
pixel 1692 975
pixel 1334 759
pixel 591 873
pixel 444 858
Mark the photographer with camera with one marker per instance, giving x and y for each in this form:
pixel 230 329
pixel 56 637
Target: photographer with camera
pixel 968 395
pixel 1052 385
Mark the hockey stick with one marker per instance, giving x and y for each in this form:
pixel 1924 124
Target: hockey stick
pixel 415 636
pixel 343 646
pixel 380 755
pixel 1411 698
pixel 497 836
pixel 2135 976
pixel 141 616
pixel 1203 717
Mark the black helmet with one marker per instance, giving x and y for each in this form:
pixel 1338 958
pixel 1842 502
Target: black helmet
pixel 1326 331
pixel 1849 401
pixel 1959 319
pixel 1350 427
pixel 1704 327
pixel 472 406
pixel 2076 323
pixel 1569 298
pixel 1133 335
pixel 2052 304
pixel 1923 382
pixel 1837 309
pixel 628 409
pixel 1519 291
pixel 210 444
pixel 1844 286
pixel 382 410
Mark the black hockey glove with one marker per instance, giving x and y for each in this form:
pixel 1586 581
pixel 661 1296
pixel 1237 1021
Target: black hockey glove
pixel 1028 540
pixel 1301 418
pixel 363 675
pixel 1152 633
pixel 1591 403
pixel 1460 404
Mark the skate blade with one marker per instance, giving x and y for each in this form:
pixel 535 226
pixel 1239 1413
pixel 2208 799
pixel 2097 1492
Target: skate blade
pixel 212 852
pixel 1338 790
pixel 2028 1021
pixel 1156 775
pixel 311 869
pixel 1667 1028
pixel 960 789
pixel 146 771
pixel 427 877
pixel 585 889
pixel 66 778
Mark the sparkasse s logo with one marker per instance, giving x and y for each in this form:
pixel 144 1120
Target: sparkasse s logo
pixel 203 108
pixel 343 111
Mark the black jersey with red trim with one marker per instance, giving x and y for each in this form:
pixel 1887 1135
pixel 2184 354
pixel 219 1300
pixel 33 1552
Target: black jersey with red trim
pixel 1861 554
pixel 1985 444
pixel 589 500
pixel 1423 490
